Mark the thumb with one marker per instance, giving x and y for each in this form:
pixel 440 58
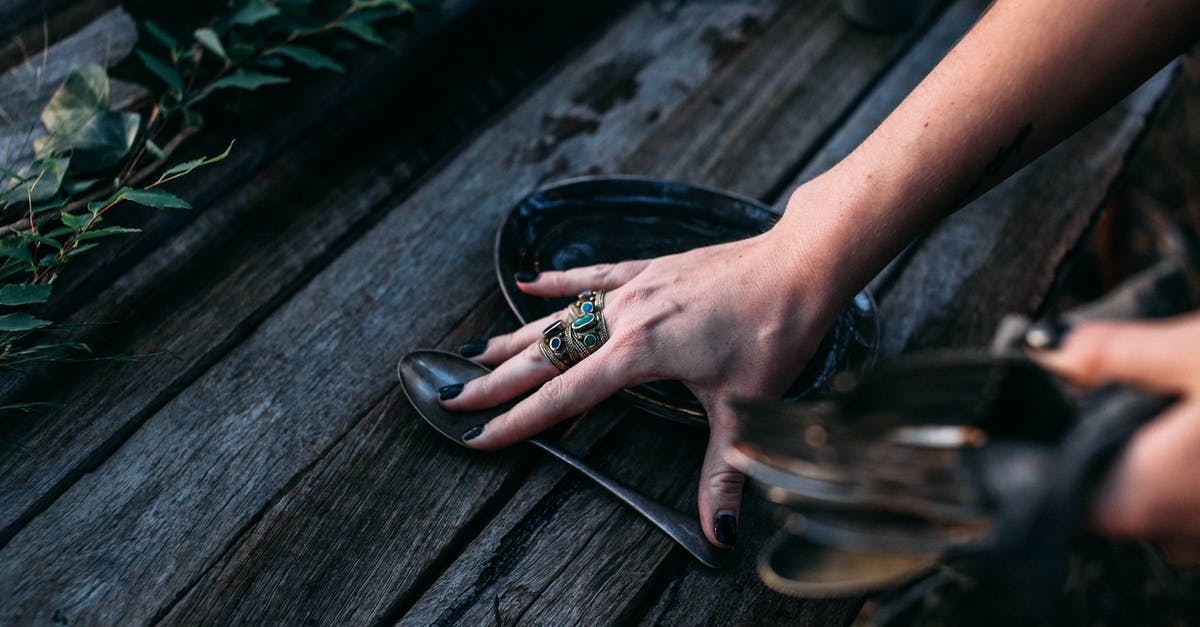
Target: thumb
pixel 1134 353
pixel 720 484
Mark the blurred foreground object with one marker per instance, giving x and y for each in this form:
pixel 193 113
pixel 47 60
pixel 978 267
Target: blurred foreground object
pixel 965 468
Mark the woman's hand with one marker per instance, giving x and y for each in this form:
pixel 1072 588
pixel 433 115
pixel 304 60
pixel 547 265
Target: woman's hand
pixel 1154 490
pixel 737 319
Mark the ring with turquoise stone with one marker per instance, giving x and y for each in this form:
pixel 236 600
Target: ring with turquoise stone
pixel 564 344
pixel 558 348
pixel 587 302
pixel 588 331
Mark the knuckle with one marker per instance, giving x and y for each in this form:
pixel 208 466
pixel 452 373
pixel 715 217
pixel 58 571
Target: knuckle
pixel 533 354
pixel 629 353
pixel 479 388
pixel 726 483
pixel 602 272
pixel 554 393
pixel 635 295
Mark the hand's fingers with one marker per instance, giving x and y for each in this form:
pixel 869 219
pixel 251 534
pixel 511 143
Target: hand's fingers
pixel 1149 493
pixel 513 378
pixel 1137 353
pixel 720 495
pixel 605 276
pixel 503 347
pixel 592 380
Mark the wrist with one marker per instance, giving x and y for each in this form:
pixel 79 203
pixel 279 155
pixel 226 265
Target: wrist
pixel 841 228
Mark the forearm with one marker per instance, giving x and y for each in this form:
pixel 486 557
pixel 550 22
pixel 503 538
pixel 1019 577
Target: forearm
pixel 1029 74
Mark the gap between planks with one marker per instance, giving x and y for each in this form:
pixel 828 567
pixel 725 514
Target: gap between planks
pixel 336 234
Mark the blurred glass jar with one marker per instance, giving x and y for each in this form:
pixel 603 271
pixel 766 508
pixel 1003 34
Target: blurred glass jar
pixel 886 15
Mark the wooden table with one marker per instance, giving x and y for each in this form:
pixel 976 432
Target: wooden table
pixel 263 464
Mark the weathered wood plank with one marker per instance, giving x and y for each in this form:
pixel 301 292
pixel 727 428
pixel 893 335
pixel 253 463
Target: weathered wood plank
pixel 368 512
pixel 186 484
pixel 249 239
pixel 745 129
pixel 284 117
pixel 535 563
pixel 1161 177
pixel 27 26
pixel 214 586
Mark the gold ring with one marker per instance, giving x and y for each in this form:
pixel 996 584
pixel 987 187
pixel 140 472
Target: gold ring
pixel 586 302
pixel 557 348
pixel 587 330
pixel 565 344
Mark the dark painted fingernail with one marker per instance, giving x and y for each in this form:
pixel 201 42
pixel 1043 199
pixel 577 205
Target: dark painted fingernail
pixel 526 277
pixel 725 528
pixel 1046 336
pixel 450 391
pixel 472 433
pixel 471 349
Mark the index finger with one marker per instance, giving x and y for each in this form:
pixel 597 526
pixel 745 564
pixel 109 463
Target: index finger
pixel 592 380
pixel 605 276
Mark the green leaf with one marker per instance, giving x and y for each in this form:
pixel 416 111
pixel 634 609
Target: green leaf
pixel 74 187
pixel 52 205
pixel 74 221
pixel 79 249
pixel 42 180
pixel 254 12
pixel 82 96
pixel 245 79
pixel 163 70
pixel 208 38
pixel 241 79
pixel 362 30
pixel 23 294
pixel 96 205
pixel 14 249
pixel 43 239
pixel 21 321
pixel 161 35
pixel 310 58
pixel 157 198
pixel 188 166
pixel 102 142
pixel 106 232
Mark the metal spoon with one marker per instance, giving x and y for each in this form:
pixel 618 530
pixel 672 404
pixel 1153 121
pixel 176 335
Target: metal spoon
pixel 424 372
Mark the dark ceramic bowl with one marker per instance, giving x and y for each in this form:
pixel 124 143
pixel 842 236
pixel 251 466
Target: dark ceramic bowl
pixel 590 220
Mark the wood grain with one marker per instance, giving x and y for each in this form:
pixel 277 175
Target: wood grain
pixel 27 26
pixel 275 233
pixel 280 476
pixel 745 129
pixel 189 481
pixel 365 515
pixel 616 597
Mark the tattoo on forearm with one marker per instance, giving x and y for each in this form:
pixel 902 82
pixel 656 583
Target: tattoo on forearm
pixel 996 165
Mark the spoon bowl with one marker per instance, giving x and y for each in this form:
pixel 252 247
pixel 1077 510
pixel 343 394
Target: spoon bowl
pixel 422 373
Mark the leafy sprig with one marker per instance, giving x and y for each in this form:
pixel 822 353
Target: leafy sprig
pixel 87 158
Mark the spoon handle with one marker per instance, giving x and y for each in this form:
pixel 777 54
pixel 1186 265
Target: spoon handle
pixel 684 529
